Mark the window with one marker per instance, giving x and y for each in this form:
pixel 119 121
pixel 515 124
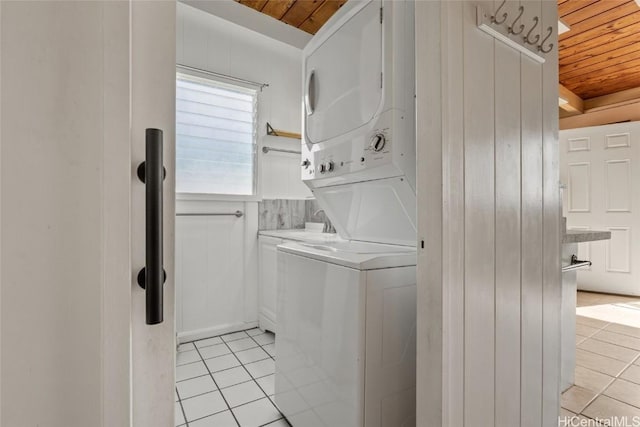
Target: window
pixel 215 137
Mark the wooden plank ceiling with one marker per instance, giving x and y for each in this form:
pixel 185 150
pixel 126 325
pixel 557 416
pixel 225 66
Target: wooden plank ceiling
pixel 600 54
pixel 308 15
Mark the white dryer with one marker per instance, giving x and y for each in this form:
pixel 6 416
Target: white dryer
pixel 358 145
pixel 346 344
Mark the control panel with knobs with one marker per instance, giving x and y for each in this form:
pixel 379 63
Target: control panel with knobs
pixel 330 163
pixel 378 142
pixel 328 166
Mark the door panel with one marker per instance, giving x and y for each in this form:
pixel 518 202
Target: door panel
pixel 153 57
pixel 599 168
pixel 347 70
pixel 67 178
pixel 51 215
pixel 65 214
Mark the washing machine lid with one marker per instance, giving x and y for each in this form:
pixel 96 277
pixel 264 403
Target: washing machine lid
pixel 356 255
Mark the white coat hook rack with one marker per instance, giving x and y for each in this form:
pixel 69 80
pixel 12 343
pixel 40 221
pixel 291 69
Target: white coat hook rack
pixel 511 28
pixel 492 24
pixel 494 18
pixel 548 49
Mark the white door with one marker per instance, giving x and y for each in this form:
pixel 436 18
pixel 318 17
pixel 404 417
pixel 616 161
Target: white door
pixel 599 171
pixel 153 83
pixel 80 81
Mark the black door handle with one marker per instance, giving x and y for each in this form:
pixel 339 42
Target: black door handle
pixel 152 277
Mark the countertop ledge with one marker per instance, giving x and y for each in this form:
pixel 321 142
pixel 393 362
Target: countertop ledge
pixel 578 236
pixel 301 235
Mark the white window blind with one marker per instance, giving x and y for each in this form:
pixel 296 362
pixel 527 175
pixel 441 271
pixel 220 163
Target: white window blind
pixel 215 137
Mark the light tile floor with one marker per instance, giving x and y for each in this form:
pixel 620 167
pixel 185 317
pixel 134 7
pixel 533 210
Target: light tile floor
pixel 227 381
pixel 607 375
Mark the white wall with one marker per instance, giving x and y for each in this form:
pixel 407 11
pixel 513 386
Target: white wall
pixel 489 214
pixel 210 43
pixel 599 168
pixel 216 259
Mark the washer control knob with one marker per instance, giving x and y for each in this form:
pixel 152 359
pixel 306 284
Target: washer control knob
pixel 329 166
pixel 306 163
pixel 377 142
pixel 323 168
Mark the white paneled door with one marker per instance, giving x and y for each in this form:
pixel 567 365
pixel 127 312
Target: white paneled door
pixel 80 81
pixel 599 170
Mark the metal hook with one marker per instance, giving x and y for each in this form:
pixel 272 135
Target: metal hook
pixel 504 15
pixel 527 38
pixel 541 47
pixel 510 29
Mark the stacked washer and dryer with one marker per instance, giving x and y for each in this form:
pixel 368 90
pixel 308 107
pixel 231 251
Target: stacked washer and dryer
pixel 346 342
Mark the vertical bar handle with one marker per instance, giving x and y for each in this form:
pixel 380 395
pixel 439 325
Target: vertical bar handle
pixel 310 94
pixel 152 277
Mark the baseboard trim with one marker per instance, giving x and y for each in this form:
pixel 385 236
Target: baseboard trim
pixel 266 324
pixel 198 334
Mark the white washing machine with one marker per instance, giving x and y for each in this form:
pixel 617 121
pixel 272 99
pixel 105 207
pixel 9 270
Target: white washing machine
pixel 346 344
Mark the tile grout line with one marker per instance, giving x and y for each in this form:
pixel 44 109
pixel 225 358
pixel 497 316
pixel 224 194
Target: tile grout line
pixel 615 378
pixel 252 378
pixel 219 389
pixel 186 423
pixel 258 384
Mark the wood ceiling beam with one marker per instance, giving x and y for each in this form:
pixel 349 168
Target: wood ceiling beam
pixel 574 103
pixel 623 97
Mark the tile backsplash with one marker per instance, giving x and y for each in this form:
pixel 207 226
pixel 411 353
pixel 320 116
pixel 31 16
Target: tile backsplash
pixel 283 214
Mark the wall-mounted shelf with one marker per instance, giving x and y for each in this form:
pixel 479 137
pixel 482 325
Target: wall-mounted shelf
pixel 275 132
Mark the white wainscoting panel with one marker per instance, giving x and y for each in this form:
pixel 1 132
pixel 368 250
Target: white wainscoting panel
pixel 618 185
pixel 216 282
pixel 579 144
pixel 579 187
pixel 489 214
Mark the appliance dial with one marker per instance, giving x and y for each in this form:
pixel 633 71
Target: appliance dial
pixel 377 142
pixel 323 168
pixel 329 166
pixel 306 163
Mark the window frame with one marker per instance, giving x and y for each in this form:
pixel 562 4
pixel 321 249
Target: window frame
pixel 257 167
